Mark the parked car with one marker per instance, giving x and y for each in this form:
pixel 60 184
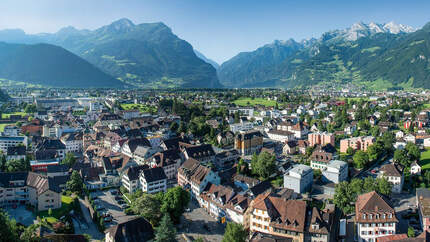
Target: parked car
pixel 107 219
pixel 99 207
pixel 113 192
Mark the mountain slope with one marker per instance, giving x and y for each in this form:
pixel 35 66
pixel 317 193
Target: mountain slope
pixel 376 55
pixel 207 60
pixel 145 55
pixel 50 65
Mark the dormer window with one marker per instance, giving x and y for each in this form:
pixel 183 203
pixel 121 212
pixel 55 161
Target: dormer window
pixel 383 216
pixel 370 216
pixel 364 216
pixel 390 215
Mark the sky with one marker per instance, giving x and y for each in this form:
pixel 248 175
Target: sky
pixel 219 29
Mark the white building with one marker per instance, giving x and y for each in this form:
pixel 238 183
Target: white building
pixel 12 141
pixel 280 135
pixel 243 126
pixel 153 180
pixel 394 174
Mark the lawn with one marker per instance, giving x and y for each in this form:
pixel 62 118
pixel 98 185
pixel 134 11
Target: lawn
pixel 4 125
pixel 141 107
pixel 427 105
pixel 255 101
pixel 7 115
pixel 66 207
pixel 425 160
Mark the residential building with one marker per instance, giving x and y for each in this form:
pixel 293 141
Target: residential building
pixel 249 142
pixel 12 141
pixel 280 135
pixel 423 205
pixel 243 111
pixel 321 138
pixel 202 153
pixel 242 126
pixel 415 168
pixel 374 217
pixel 393 172
pixel 136 229
pixel 130 178
pixel 195 176
pixel 72 141
pixel 169 160
pixel 299 178
pixel 153 180
pixel 356 143
pixel 16 153
pixel 335 171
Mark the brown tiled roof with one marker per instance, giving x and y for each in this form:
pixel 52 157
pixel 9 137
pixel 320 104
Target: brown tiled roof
pixel 392 169
pixel 373 203
pixel 285 214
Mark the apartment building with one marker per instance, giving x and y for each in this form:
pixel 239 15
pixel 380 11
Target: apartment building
pixel 249 142
pixel 130 178
pixel 12 141
pixel 299 178
pixel 153 180
pixel 423 205
pixel 356 143
pixel 374 217
pixel 280 135
pixel 321 138
pixel 195 176
pixel 393 172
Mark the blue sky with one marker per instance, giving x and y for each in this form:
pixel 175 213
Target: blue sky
pixel 218 28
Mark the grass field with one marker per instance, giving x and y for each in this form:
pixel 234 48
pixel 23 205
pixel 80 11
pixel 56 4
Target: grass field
pixel 7 115
pixel 141 107
pixel 427 105
pixel 66 207
pixel 255 101
pixel 425 160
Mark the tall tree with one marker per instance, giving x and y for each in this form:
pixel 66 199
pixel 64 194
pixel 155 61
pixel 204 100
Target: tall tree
pixel 174 202
pixel 166 232
pixel 234 233
pixel 69 160
pixel 8 228
pixel 148 206
pixel 75 184
pixel 264 165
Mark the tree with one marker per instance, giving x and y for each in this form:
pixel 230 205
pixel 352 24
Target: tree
pixel 264 165
pixel 30 108
pixel 343 197
pixel 411 232
pixel 234 233
pixel 413 151
pixel 350 151
pixel 360 159
pixel 17 165
pixel 174 202
pixel 8 227
pixel 69 160
pixel 75 184
pixel 166 232
pixel 148 206
pixel 401 157
pixel 174 127
pixel 29 234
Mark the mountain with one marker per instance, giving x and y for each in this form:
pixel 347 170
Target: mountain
pixel 49 65
pixel 376 55
pixel 207 60
pixel 144 55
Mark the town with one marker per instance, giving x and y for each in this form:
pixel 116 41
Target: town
pixel 316 164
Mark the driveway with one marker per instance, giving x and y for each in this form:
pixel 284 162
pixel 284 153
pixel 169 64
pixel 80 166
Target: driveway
pixel 193 225
pixel 92 229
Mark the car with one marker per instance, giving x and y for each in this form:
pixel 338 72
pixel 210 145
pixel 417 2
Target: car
pixel 113 192
pixel 107 219
pixel 105 214
pixel 99 207
pixel 187 210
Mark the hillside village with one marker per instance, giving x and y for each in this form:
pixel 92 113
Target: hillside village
pixel 299 165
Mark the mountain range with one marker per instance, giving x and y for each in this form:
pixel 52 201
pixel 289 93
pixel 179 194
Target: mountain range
pixel 150 55
pixel 144 55
pixel 381 56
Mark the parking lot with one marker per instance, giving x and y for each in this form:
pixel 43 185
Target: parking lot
pixel 108 203
pixel 196 223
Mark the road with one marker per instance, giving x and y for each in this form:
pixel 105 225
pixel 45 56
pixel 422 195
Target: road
pixel 92 228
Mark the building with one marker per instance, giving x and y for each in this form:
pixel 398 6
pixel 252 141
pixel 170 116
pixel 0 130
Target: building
pixel 16 153
pixel 249 142
pixel 280 135
pixel 374 217
pixel 242 126
pixel 12 141
pixel 72 141
pixel 30 188
pixel 423 205
pixel 194 176
pixel 299 178
pixel 322 155
pixel 278 216
pixel 202 153
pixel 153 180
pixel 415 168
pixel 356 143
pixel 335 171
pixel 243 111
pixel 393 172
pixel 130 178
pixel 10 130
pixel 136 229
pixel 169 160
pixel 321 138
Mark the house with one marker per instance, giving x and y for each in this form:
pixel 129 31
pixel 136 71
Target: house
pixel 37 190
pixel 290 147
pixel 322 155
pixel 242 126
pixel 226 159
pixel 10 130
pixel 129 147
pixel 278 216
pixel 249 142
pixel 423 205
pixel 415 168
pixel 225 138
pixel 72 141
pixel 244 182
pixel 356 143
pixel 16 153
pixel 393 172
pixel 153 180
pixel 374 217
pixel 203 153
pixel 299 178
pixel 169 160
pixel 130 178
pixel 195 176
pixel 243 111
pixel 54 146
pixel 136 229
pixel 427 142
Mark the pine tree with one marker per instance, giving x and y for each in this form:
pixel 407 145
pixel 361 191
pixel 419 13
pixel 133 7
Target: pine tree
pixel 165 232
